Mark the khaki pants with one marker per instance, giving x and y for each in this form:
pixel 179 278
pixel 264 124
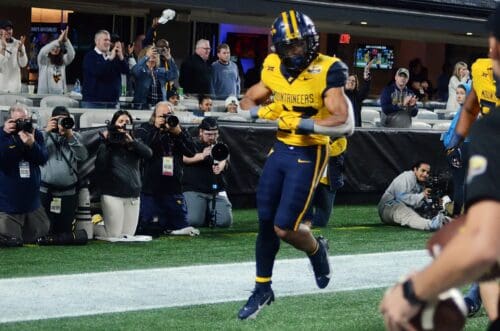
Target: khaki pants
pixel 401 214
pixel 27 226
pixel 120 216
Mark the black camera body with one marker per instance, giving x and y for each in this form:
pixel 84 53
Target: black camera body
pixel 438 185
pixel 66 122
pixel 171 120
pixel 115 136
pixel 25 125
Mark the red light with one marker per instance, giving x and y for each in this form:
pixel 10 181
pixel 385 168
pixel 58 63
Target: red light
pixel 345 38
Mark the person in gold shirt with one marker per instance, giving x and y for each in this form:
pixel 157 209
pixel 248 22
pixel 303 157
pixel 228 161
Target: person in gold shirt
pixel 309 105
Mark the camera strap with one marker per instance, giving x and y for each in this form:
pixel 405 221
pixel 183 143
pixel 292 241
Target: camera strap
pixel 59 149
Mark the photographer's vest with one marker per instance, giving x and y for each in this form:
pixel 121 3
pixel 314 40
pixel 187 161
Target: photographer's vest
pixel 484 85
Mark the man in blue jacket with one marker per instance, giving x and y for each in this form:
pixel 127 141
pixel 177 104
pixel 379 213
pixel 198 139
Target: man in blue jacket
pixel 102 70
pixel 22 152
pixel 398 102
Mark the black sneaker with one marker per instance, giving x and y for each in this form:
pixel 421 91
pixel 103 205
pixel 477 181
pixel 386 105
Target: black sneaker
pixel 321 263
pixel 472 307
pixel 255 303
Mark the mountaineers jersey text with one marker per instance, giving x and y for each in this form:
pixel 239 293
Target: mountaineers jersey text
pixel 303 95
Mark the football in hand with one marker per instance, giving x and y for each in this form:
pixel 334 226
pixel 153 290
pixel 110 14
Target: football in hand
pixel 446 314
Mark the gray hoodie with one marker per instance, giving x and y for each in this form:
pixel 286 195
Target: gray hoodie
pixel 403 189
pixel 56 172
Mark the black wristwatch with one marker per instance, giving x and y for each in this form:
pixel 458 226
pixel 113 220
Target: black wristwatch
pixel 409 293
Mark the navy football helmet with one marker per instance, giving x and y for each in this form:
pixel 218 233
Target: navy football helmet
pixel 293 30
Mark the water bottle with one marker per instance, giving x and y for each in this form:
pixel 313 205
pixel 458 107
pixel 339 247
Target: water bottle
pixel 77 88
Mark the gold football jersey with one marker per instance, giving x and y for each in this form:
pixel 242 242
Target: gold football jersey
pixel 302 96
pixel 484 85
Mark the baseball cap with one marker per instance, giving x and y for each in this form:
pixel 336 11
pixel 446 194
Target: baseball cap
pixel 60 110
pixel 403 71
pixel 493 23
pixel 5 24
pixel 231 99
pixel 209 123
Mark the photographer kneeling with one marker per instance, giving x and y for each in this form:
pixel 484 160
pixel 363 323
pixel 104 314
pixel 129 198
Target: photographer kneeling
pixel 405 195
pixel 204 183
pixel 119 177
pixel 163 208
pixel 22 152
pixel 58 190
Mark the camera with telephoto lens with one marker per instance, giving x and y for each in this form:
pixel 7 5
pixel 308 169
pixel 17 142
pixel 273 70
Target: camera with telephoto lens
pixel 115 136
pixel 171 120
pixel 66 122
pixel 438 185
pixel 25 125
pixel 219 153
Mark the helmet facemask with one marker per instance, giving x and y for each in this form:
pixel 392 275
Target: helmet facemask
pixel 297 54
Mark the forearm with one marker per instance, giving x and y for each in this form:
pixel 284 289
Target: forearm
pixel 467 257
pixel 198 157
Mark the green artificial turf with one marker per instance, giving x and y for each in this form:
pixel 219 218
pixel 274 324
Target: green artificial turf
pixel 349 311
pixel 352 230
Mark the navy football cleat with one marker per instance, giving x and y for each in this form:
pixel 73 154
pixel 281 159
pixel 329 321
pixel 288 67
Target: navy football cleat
pixel 255 303
pixel 321 263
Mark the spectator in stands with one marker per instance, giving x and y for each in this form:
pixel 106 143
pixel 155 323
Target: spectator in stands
pixel 173 97
pixel 117 166
pixel 405 195
pixel 358 92
pixel 442 82
pixel 22 152
pixel 163 208
pixel 52 61
pixel 398 102
pixel 12 58
pixel 204 105
pixel 225 75
pixel 419 81
pixel 231 103
pixel 58 190
pixel 167 61
pixel 324 196
pixel 138 45
pixel 102 71
pixel 460 75
pixel 204 182
pixel 195 76
pixel 455 159
pixel 150 79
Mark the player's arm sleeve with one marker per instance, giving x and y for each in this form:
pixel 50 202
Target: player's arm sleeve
pixel 336 76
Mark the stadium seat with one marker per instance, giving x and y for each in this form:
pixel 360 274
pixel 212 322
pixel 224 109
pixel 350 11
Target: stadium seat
pixel 442 126
pixel 99 117
pixel 59 100
pixel 420 125
pixel 426 114
pixel 369 117
pixel 11 99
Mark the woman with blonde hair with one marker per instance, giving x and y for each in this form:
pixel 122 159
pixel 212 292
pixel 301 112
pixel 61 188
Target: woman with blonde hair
pixel 150 79
pixel 460 76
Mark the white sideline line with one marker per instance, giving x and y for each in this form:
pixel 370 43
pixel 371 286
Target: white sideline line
pixel 33 298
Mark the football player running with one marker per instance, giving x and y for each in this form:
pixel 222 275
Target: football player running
pixel 473 252
pixel 309 105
